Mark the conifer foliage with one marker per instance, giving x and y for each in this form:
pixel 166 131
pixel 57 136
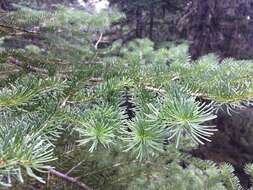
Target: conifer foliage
pixel 139 107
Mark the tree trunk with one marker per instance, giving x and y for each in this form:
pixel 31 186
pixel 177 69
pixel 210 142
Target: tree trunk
pixel 224 27
pixel 139 21
pixel 5 5
pixel 151 23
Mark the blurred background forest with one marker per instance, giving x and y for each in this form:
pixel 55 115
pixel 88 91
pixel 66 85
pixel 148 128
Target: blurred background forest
pixel 223 27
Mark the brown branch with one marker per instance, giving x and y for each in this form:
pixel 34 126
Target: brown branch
pixel 30 68
pixel 18 29
pixel 69 179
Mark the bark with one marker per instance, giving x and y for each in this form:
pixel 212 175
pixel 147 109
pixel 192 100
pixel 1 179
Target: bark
pixel 151 24
pixel 139 21
pixel 224 27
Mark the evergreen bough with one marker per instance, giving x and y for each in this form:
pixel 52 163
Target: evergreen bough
pixel 140 108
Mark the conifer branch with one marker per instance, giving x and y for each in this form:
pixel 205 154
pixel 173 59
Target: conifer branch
pixel 69 179
pixel 30 68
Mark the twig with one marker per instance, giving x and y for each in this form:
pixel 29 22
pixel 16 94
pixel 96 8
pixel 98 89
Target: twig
pixel 18 29
pixel 70 179
pixel 175 78
pixel 154 89
pixel 164 91
pixel 64 102
pixel 48 179
pixel 74 167
pixel 14 61
pixel 99 40
pixel 94 79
